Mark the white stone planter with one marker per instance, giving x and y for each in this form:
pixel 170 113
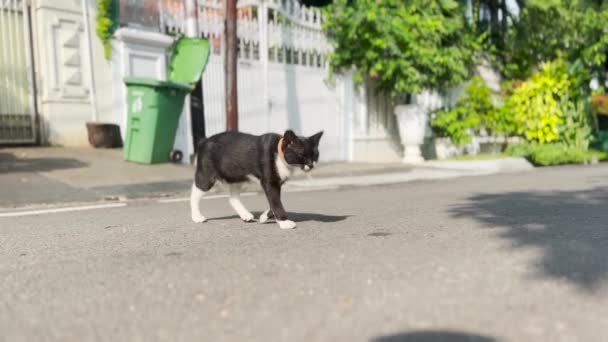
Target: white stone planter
pixel 412 120
pixel 443 148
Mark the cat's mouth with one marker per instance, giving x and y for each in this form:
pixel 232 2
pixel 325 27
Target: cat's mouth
pixel 305 168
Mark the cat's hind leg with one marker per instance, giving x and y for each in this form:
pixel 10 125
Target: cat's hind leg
pixel 196 195
pixel 204 179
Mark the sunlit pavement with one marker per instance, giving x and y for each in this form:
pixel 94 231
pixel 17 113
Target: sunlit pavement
pixel 513 257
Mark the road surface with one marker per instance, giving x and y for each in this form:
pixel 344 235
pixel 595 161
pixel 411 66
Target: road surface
pixel 516 257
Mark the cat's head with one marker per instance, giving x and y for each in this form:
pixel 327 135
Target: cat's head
pixel 302 152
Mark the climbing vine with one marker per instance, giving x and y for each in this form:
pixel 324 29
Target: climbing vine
pixel 105 25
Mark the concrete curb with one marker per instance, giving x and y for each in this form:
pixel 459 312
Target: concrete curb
pixel 61 192
pixel 492 165
pixel 427 171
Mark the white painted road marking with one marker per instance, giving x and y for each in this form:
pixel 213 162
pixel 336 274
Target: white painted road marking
pixel 210 197
pixel 317 188
pixel 62 210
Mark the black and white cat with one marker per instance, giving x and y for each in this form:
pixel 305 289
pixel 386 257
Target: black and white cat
pixel 234 158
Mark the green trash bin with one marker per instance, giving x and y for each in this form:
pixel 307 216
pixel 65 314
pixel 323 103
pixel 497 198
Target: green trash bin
pixel 154 106
pixel 153 116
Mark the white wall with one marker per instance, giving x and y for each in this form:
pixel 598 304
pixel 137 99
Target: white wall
pixel 103 71
pixel 299 99
pixel 63 71
pixel 375 135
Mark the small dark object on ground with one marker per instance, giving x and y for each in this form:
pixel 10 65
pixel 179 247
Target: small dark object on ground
pixel 104 135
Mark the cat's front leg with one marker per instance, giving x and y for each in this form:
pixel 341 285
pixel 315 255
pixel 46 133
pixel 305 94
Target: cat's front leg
pixel 266 216
pixel 273 194
pixel 237 205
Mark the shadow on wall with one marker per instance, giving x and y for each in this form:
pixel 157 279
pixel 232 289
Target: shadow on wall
pixel 434 336
pixel 294 120
pixel 381 113
pixel 9 163
pixel 569 227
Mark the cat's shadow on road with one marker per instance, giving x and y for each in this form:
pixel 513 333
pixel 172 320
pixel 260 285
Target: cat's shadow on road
pixel 296 217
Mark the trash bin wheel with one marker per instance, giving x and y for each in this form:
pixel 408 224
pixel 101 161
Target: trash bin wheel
pixel 176 156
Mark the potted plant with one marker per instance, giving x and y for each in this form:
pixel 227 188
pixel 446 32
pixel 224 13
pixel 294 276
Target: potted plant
pixel 406 47
pixel 104 135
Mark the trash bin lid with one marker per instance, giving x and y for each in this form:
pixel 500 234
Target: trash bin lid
pixel 188 60
pixel 150 82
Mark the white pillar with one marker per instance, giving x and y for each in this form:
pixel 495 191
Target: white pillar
pixel 87 30
pixel 191 18
pixel 140 54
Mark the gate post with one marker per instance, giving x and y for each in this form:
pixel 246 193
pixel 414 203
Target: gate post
pixel 230 65
pixel 263 39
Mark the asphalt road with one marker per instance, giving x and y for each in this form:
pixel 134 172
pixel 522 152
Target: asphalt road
pixel 517 257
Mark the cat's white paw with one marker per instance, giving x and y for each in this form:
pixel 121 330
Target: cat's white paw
pixel 198 218
pixel 264 217
pixel 247 217
pixel 287 224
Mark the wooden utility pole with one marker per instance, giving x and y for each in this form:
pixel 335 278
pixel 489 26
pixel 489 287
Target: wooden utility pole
pixel 230 60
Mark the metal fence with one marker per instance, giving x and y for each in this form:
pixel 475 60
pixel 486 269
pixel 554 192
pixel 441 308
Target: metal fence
pixel 282 69
pixel 17 98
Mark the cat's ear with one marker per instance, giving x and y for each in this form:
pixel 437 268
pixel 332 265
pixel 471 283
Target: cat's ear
pixel 289 137
pixel 316 138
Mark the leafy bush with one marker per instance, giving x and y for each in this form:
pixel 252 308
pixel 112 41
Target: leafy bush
pixel 404 46
pixel 105 25
pixel 537 103
pixel 522 150
pixel 459 124
pixel 558 154
pixel 574 30
pixel 576 129
pixel 553 154
pixel 474 111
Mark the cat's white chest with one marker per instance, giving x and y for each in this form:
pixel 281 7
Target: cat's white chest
pixel 283 169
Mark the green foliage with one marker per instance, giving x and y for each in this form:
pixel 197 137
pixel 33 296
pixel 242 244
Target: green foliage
pixel 105 24
pixel 404 46
pixel 500 121
pixel 459 124
pixel 573 30
pixel 578 122
pixel 474 111
pixel 480 156
pixel 520 150
pixel 553 154
pixel 537 103
pixel 547 155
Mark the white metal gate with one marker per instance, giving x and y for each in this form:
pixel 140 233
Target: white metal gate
pixel 282 71
pixel 17 102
